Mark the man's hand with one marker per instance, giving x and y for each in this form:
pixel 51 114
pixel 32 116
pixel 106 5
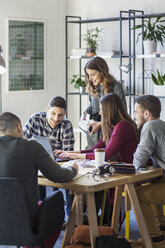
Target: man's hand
pixel 95 127
pixel 76 166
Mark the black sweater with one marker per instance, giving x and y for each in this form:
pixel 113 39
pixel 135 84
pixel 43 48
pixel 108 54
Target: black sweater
pixel 22 159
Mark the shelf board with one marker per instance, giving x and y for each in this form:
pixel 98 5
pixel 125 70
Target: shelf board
pixel 76 93
pixel 101 55
pixel 156 55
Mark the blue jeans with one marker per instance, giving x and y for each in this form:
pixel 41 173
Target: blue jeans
pixel 69 200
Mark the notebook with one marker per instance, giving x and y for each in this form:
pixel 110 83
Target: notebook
pixel 45 142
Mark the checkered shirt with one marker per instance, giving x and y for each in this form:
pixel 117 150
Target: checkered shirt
pixel 61 137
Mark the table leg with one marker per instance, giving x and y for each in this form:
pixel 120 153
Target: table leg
pixel 92 217
pixel 79 209
pixel 70 225
pixel 139 216
pixel 116 208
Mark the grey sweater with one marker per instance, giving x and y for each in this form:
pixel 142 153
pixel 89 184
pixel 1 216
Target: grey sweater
pixel 152 144
pixel 22 159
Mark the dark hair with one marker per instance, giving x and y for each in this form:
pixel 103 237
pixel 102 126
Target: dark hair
pixel 150 103
pixel 8 121
pixel 58 101
pixel 99 64
pixel 113 112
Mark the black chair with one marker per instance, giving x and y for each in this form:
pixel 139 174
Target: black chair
pixel 15 221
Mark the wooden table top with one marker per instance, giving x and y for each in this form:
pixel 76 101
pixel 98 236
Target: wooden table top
pixel 86 183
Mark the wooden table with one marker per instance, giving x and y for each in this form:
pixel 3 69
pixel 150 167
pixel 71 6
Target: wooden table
pixel 87 185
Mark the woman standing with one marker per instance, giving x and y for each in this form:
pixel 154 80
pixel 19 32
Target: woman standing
pixel 99 82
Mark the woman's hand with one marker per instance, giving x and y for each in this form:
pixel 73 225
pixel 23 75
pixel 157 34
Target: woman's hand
pixel 72 155
pixel 95 127
pixel 84 116
pixel 56 152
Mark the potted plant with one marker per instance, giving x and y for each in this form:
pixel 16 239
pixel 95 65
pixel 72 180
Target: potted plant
pixel 159 83
pixel 154 31
pixel 92 39
pixel 79 83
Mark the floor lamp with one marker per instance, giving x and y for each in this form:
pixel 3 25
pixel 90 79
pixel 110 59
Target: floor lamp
pixel 2 71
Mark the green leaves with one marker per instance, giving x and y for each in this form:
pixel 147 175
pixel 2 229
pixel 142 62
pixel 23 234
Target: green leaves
pixel 92 37
pixel 153 30
pixel 78 81
pixel 158 79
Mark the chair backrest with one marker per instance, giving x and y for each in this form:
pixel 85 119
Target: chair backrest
pixel 15 221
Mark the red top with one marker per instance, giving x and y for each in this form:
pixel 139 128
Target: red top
pixel 122 144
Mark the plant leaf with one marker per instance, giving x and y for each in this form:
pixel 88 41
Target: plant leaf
pixel 154 79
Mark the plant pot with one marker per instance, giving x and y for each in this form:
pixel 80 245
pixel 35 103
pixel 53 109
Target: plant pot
pixel 82 89
pixel 149 46
pixel 159 90
pixel 90 52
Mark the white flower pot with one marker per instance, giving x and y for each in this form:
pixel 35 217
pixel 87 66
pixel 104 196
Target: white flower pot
pixel 159 90
pixel 149 46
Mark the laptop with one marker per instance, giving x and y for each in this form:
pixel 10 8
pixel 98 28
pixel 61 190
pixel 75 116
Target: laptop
pixel 45 142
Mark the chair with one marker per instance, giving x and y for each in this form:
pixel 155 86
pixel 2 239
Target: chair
pixel 15 220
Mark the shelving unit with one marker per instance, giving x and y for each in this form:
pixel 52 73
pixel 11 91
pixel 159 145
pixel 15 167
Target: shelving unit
pixel 130 17
pixel 133 15
pixel 77 20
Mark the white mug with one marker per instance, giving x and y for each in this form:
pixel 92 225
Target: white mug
pixel 99 156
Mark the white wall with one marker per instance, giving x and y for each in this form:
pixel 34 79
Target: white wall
pixel 108 8
pixel 53 12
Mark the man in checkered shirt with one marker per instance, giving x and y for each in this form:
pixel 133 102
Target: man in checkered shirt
pixel 53 125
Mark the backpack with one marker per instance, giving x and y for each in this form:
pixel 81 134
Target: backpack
pixel 81 236
pixel 111 241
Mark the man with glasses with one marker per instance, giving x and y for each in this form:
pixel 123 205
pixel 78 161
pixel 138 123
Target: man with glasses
pixel 53 125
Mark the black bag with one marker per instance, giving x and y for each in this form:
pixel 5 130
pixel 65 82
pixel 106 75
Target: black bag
pixel 111 242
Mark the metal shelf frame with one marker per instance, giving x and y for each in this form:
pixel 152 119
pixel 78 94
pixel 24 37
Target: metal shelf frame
pixel 130 16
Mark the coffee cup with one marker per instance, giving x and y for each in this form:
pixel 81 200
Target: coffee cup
pixel 99 156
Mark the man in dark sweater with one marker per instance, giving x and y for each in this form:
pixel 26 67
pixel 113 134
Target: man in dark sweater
pixel 22 159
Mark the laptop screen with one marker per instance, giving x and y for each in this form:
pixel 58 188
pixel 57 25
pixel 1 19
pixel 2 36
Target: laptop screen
pixel 44 141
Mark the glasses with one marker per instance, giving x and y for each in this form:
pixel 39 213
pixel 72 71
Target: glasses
pixel 97 177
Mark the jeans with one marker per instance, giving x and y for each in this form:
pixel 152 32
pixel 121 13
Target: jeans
pixel 69 200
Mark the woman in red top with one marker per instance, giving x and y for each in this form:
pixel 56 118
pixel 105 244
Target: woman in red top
pixel 120 134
